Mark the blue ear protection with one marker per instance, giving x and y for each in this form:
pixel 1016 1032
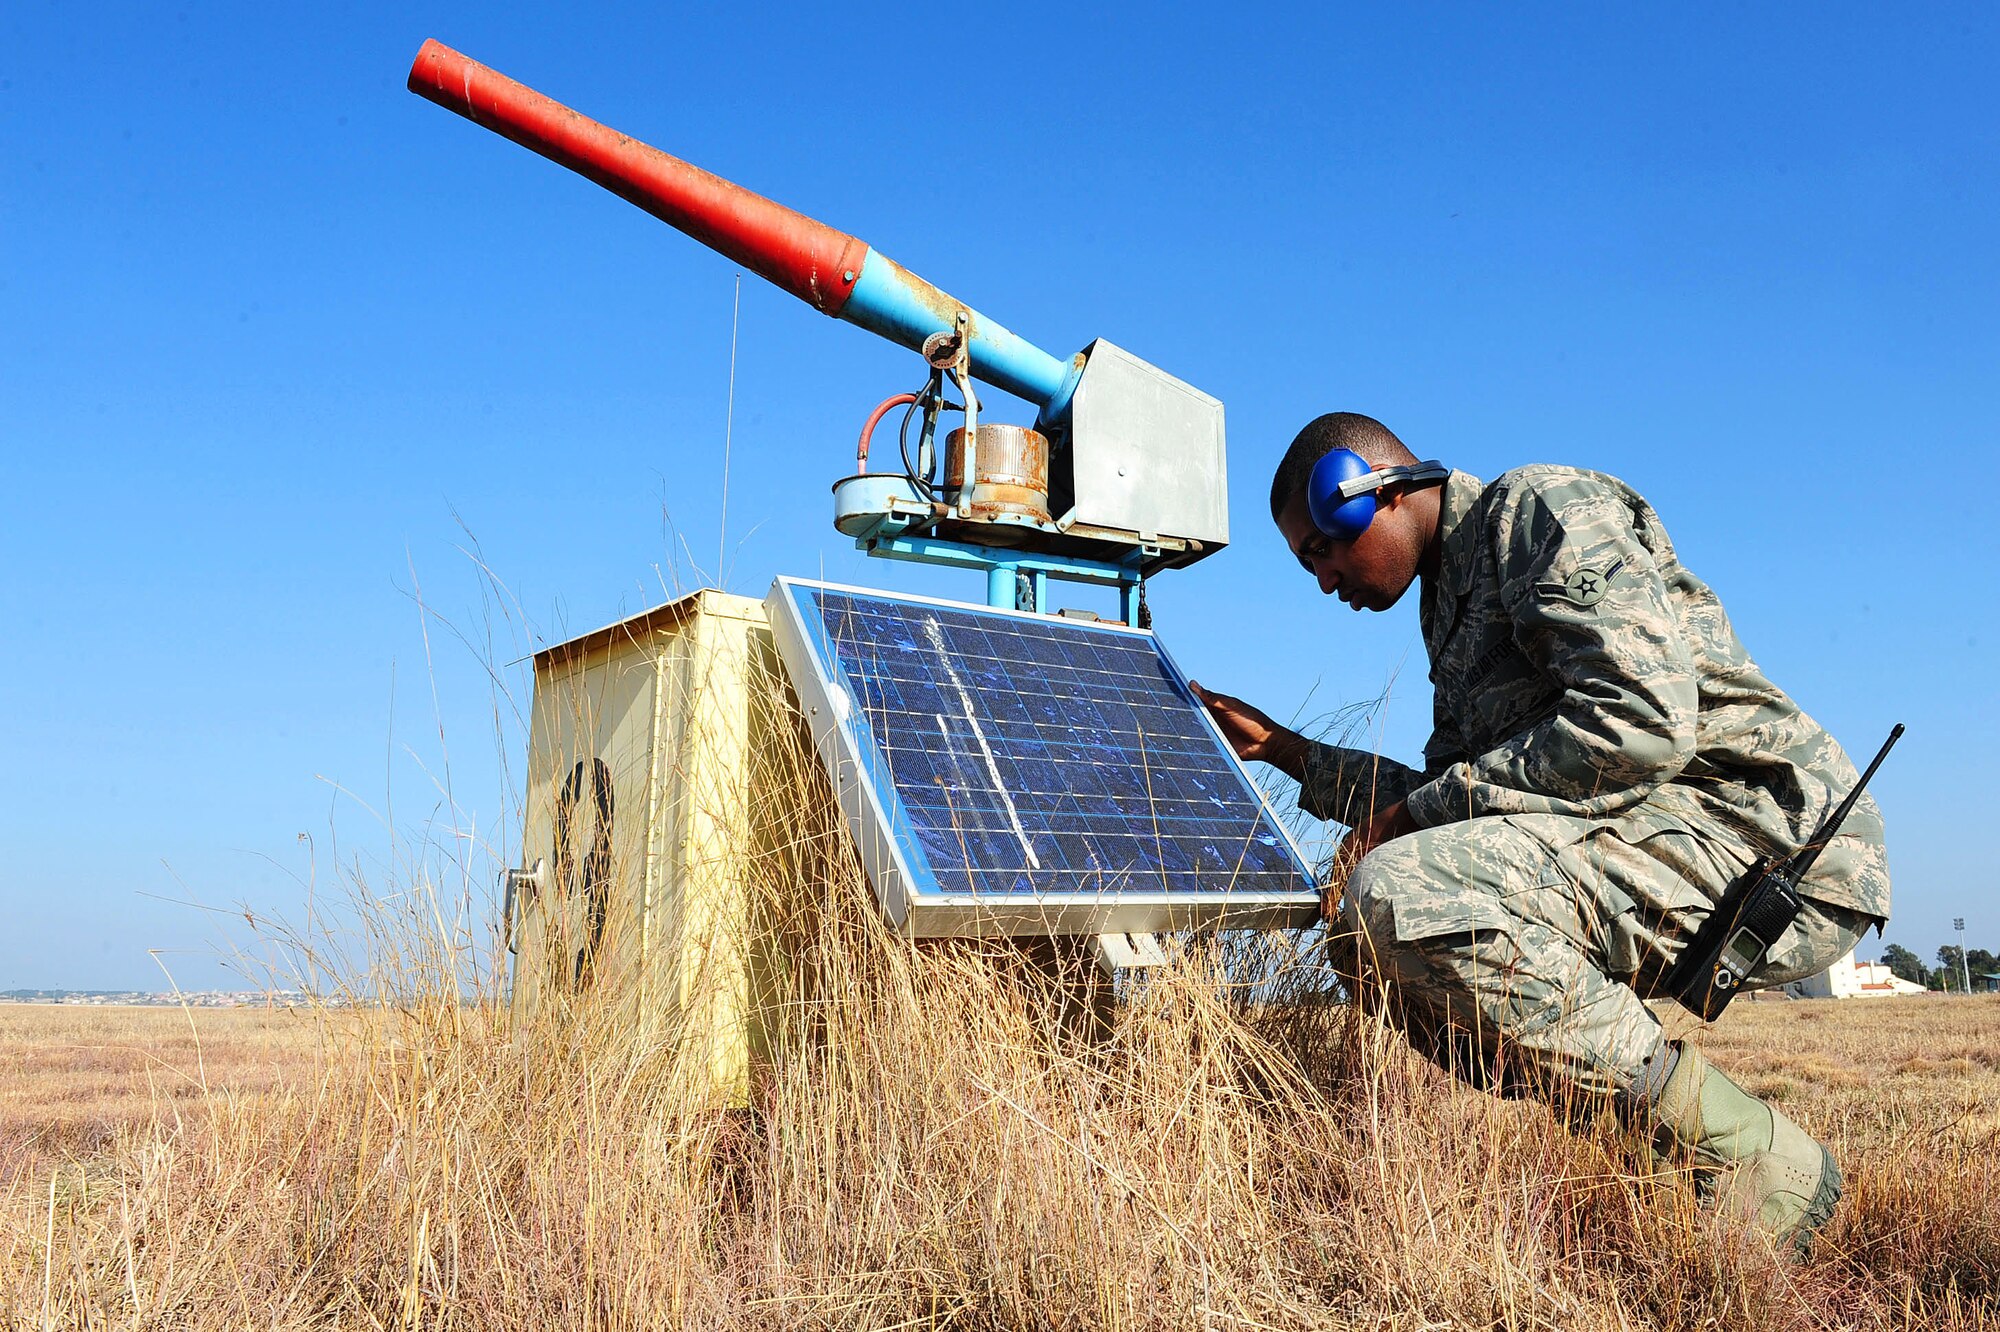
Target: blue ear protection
pixel 1341 494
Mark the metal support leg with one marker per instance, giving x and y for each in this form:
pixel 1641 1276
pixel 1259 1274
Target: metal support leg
pixel 1000 586
pixel 1080 990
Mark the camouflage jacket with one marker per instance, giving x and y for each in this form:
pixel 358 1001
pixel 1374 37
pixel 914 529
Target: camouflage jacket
pixel 1583 675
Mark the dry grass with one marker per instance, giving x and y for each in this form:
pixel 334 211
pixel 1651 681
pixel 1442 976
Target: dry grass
pixel 928 1154
pixel 937 1161
pixel 75 1079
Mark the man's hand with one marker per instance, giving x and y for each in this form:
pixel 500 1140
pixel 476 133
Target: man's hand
pixel 1387 824
pixel 1253 735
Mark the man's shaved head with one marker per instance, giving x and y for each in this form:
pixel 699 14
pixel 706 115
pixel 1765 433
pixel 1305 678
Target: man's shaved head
pixel 1336 430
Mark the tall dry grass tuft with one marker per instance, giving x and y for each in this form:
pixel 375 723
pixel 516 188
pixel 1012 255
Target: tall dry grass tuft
pixel 932 1145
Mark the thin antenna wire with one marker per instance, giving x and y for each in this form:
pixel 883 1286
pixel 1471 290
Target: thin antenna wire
pixel 728 426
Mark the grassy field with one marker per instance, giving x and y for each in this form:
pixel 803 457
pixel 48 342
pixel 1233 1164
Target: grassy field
pixel 939 1161
pixel 927 1149
pixel 76 1081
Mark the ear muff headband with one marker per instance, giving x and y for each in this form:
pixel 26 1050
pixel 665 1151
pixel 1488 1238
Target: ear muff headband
pixel 1341 494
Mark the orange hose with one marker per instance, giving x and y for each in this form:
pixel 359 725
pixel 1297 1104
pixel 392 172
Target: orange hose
pixel 875 419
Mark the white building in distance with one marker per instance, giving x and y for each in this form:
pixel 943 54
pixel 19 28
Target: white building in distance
pixel 1848 979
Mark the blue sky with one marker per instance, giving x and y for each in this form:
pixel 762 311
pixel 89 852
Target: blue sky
pixel 279 341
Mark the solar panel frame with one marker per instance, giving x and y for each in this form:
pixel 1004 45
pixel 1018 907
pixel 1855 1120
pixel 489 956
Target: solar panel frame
pixel 911 893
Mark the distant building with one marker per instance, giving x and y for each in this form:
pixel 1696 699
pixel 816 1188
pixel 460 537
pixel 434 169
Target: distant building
pixel 1988 981
pixel 1848 979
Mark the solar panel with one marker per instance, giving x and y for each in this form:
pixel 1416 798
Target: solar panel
pixel 1006 772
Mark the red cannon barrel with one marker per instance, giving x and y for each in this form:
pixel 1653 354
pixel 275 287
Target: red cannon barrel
pixel 811 260
pixel 828 269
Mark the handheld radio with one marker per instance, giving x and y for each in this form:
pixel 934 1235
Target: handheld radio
pixel 1734 941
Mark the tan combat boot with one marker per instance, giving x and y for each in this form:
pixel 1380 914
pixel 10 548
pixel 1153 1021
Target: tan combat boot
pixel 1750 1161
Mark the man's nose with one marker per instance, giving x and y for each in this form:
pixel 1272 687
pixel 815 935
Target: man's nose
pixel 1323 570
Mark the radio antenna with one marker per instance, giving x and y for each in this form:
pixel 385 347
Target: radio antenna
pixel 728 425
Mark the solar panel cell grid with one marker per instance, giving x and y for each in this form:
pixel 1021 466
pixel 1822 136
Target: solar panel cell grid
pixel 1028 756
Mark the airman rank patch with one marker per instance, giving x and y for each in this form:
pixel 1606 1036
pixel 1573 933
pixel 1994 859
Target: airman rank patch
pixel 1586 587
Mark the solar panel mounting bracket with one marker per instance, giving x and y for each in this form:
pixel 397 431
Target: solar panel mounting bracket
pixel 1131 951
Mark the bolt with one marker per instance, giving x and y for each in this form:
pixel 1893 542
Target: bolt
pixel 848 275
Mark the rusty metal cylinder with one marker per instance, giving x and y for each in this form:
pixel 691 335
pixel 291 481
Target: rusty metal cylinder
pixel 1011 472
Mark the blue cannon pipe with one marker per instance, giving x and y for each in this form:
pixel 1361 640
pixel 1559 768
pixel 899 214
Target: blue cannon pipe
pixel 895 303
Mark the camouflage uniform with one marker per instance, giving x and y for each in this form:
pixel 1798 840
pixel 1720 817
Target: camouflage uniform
pixel 1606 759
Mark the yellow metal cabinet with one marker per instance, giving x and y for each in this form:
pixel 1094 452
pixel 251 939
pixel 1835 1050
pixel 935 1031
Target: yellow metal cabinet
pixel 642 809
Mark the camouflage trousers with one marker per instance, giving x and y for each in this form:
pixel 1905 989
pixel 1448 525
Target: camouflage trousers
pixel 1517 951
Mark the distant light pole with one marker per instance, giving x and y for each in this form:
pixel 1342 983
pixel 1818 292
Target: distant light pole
pixel 1964 969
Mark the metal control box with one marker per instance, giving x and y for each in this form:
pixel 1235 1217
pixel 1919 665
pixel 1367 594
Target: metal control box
pixel 1145 453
